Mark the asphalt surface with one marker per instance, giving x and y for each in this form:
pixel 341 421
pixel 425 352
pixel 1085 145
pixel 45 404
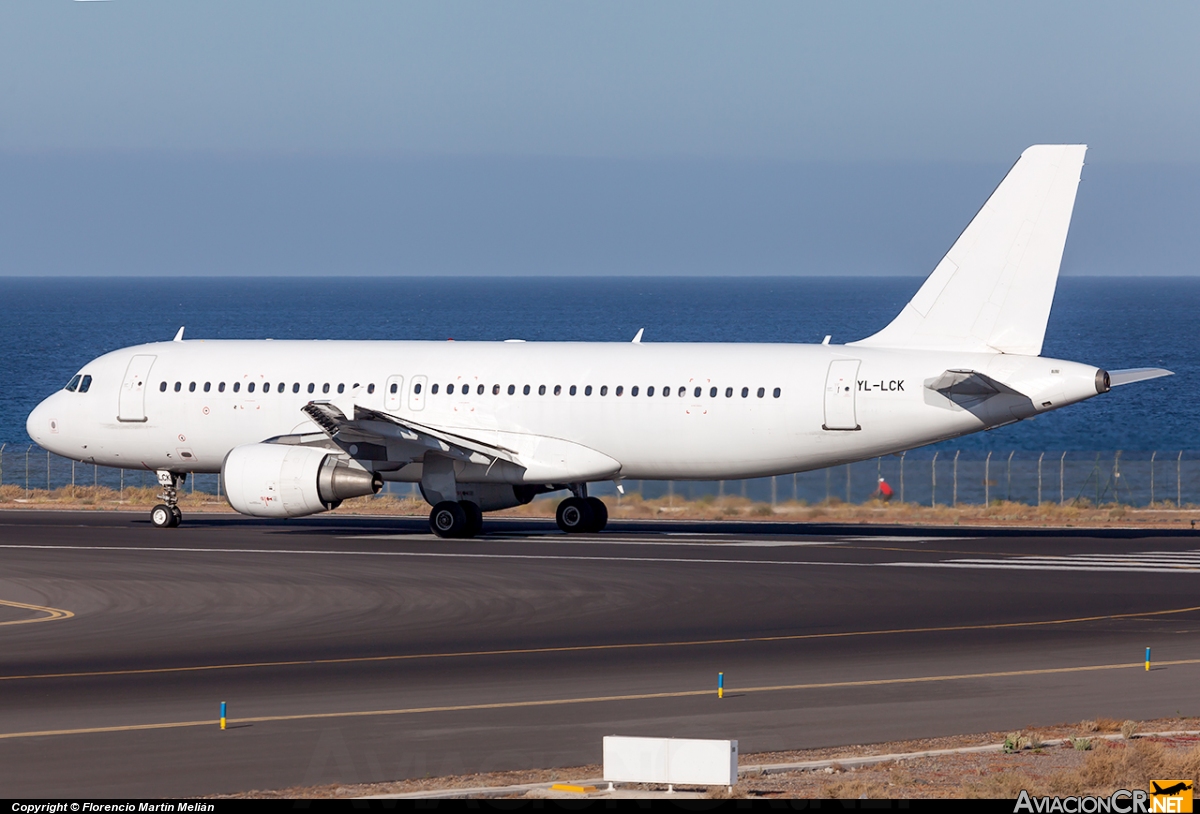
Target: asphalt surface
pixel 365 649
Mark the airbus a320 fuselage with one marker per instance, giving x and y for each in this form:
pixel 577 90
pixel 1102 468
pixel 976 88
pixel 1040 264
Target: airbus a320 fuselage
pixel 295 427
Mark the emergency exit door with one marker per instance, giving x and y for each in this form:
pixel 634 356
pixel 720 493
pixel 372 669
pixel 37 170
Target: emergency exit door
pixel 840 387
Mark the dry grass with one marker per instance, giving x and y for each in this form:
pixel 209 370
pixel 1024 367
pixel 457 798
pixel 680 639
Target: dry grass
pixel 1106 768
pixel 632 506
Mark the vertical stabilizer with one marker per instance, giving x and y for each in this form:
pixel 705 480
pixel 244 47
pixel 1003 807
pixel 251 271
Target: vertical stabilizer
pixel 993 290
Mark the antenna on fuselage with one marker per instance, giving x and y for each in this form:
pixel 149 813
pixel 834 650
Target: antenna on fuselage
pixel 637 340
pixel 179 335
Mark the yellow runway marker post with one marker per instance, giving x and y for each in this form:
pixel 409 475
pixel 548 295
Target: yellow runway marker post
pixel 222 715
pixel 720 685
pixel 1147 659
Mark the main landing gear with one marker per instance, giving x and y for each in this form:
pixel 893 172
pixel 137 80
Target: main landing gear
pixel 580 514
pixel 456 520
pixel 167 515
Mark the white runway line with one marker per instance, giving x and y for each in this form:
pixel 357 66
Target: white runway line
pixel 429 554
pixel 1151 562
pixel 639 541
pixel 904 539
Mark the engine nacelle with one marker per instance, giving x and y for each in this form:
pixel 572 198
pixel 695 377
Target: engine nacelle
pixel 277 480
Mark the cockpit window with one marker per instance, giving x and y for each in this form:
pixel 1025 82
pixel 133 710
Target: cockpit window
pixel 85 384
pixel 71 385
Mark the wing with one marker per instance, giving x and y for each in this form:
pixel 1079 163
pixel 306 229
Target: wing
pixel 389 442
pixel 376 436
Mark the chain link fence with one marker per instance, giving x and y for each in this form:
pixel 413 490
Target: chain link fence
pixel 1166 478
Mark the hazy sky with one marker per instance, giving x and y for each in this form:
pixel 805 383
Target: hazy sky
pixel 371 137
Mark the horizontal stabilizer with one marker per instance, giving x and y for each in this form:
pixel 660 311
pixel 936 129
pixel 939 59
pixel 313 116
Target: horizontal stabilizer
pixel 969 384
pixel 993 290
pixel 1117 378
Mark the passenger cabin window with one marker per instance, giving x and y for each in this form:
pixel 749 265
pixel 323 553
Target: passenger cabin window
pixel 250 387
pixel 633 391
pixel 712 393
pixel 650 391
pixel 666 392
pixel 728 392
pixel 495 389
pixel 433 390
pixel 762 391
pixel 71 385
pixel 512 388
pixel 395 387
pixel 192 387
pixel 312 387
pixel 417 388
pixel 266 387
pixel 745 392
pixel 526 390
pixel 776 392
pixel 178 386
pixel 296 387
pixel 620 391
pixel 237 386
pixel 162 387
pixel 558 389
pixel 371 387
pixel 325 387
pixel 682 392
pixel 696 393
pixel 207 386
pixel 604 389
pixel 341 388
pixel 449 390
pixel 221 387
pixel 541 390
pixel 587 391
pixel 280 387
pixel 573 390
pixel 479 390
pixel 85 384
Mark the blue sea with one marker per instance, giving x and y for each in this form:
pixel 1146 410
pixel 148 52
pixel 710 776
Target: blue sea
pixel 50 326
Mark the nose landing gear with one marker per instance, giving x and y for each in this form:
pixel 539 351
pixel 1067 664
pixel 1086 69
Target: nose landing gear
pixel 167 515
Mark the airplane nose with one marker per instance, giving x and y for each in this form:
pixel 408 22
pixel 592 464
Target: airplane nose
pixel 41 424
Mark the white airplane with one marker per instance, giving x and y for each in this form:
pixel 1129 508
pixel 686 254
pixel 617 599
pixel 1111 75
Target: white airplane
pixel 296 427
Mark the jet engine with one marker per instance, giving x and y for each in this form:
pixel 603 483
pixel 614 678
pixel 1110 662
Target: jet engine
pixel 277 480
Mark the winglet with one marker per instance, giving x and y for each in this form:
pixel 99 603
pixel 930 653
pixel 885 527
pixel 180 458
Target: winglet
pixel 637 340
pixel 179 335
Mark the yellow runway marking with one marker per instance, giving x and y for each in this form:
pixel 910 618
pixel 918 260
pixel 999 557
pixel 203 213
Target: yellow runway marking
pixel 601 647
pixel 51 613
pixel 558 702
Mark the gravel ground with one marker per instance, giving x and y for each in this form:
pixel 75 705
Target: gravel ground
pixel 983 774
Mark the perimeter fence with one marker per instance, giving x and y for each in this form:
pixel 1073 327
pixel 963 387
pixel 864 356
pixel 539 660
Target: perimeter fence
pixel 1137 479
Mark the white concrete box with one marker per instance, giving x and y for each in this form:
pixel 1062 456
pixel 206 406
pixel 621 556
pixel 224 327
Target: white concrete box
pixel 673 761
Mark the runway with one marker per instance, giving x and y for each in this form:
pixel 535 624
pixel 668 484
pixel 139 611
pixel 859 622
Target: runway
pixel 357 649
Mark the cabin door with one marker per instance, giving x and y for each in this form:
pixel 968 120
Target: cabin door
pixel 132 403
pixel 840 388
